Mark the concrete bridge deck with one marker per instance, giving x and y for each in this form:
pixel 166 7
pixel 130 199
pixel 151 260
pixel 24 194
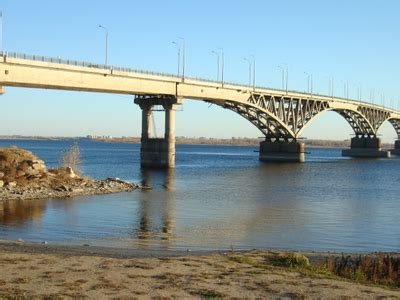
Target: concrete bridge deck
pixel 279 115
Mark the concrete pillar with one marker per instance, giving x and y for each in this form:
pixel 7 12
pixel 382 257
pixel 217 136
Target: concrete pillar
pixel 170 134
pixel 146 112
pixel 366 147
pixel 158 153
pixel 282 151
pixel 396 150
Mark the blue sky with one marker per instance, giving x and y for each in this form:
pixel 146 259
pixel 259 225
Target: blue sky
pixel 354 41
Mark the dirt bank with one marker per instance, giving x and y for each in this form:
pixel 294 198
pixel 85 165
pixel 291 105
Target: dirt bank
pixel 25 176
pixel 44 271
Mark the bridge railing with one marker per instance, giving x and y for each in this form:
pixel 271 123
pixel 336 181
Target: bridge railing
pixel 78 63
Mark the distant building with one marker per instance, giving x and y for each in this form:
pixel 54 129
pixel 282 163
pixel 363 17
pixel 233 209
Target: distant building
pixel 99 137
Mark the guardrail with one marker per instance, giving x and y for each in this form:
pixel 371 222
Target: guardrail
pixel 61 61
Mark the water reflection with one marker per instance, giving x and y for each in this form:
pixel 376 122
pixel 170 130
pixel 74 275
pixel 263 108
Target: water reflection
pixel 19 212
pixel 156 206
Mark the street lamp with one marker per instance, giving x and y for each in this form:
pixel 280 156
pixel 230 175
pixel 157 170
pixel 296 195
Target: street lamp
pixel 1 31
pixel 359 92
pixel 309 83
pixel 254 72
pixel 372 96
pixel 217 54
pixel 179 56
pixel 106 30
pixel 283 76
pixel 286 79
pixel 249 62
pixel 183 56
pixel 345 89
pixel 222 65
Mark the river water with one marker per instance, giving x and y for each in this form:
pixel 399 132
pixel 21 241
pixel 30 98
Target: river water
pixel 218 197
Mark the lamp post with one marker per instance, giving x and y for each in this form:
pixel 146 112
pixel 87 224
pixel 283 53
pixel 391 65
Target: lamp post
pixel 249 62
pixel 217 54
pixel 254 72
pixel 283 76
pixel 1 31
pixel 183 56
pixel 222 65
pixel 179 56
pixel 286 72
pixel 106 30
pixel 309 82
pixel 359 92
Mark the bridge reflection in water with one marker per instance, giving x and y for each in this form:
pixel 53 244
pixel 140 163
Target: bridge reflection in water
pixel 156 207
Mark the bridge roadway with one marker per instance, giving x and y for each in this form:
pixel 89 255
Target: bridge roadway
pixel 281 116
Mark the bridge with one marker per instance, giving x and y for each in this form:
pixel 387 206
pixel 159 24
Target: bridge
pixel 280 115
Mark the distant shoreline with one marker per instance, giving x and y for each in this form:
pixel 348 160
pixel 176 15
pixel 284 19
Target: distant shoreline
pixel 181 140
pixel 250 142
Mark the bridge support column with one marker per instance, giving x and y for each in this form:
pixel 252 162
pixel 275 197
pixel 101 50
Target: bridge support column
pixel 396 150
pixel 366 147
pixel 281 151
pixel 158 153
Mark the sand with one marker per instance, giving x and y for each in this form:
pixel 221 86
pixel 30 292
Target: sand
pixel 43 271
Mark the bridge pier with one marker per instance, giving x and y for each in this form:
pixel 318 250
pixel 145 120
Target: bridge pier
pixel 158 153
pixel 366 147
pixel 396 150
pixel 281 151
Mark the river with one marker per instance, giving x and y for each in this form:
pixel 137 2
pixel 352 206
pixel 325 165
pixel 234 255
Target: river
pixel 217 197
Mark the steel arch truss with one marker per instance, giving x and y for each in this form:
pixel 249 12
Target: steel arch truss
pixel 396 124
pixel 278 117
pixel 358 122
pixel 375 116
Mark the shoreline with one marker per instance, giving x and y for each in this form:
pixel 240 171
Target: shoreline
pixel 31 270
pixel 90 187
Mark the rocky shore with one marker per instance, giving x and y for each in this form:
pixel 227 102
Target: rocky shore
pixel 25 176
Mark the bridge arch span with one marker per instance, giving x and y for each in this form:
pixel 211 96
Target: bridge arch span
pixel 283 118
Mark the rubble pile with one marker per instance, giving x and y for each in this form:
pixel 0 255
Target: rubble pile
pixel 24 176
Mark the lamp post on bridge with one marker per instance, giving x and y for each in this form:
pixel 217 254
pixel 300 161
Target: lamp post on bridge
pixel 220 62
pixel 372 96
pixel 309 83
pixel 179 56
pixel 106 31
pixel 183 56
pixel 1 31
pixel 222 65
pixel 249 62
pixel 285 75
pixel 217 54
pixel 345 89
pixel 254 72
pixel 331 84
pixel 359 92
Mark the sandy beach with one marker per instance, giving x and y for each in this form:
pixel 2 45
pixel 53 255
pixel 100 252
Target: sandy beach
pixel 35 271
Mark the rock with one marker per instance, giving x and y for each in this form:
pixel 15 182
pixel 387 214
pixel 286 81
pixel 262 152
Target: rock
pixel 20 173
pixel 2 174
pixel 12 184
pixel 38 165
pixel 1 183
pixel 70 172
